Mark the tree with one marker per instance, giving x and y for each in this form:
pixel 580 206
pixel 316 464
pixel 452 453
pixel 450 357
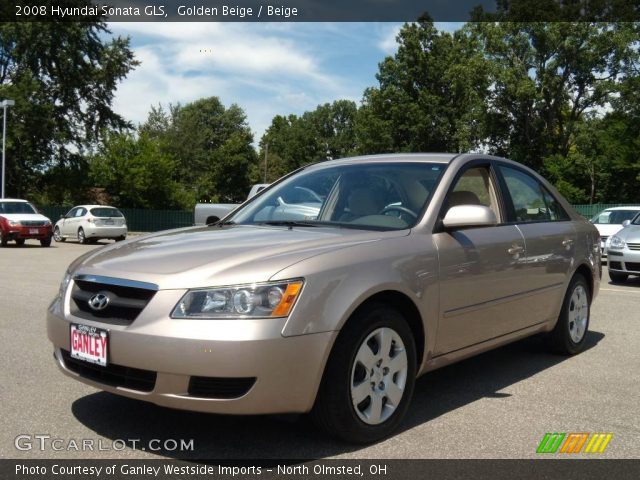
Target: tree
pixel 63 76
pixel 546 78
pixel 211 145
pixel 325 133
pixel 430 95
pixel 136 173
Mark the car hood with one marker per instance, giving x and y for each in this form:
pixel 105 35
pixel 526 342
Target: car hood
pixel 207 256
pixel 19 217
pixel 630 234
pixel 608 229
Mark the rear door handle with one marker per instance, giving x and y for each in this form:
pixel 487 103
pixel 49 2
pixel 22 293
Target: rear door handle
pixel 515 250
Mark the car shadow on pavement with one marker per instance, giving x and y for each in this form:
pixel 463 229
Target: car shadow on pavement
pixel 281 437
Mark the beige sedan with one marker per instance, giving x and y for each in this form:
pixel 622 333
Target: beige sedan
pixel 402 264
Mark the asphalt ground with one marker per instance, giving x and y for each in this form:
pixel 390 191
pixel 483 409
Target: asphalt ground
pixel 496 405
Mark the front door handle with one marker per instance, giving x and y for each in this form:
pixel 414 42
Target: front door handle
pixel 515 250
pixel 567 242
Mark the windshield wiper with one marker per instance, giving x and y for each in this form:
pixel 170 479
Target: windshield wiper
pixel 289 223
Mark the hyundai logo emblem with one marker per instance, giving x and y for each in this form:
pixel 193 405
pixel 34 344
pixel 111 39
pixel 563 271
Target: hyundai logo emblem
pixel 99 301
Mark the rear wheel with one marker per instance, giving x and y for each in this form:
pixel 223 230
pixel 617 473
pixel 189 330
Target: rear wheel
pixel 81 236
pixel 569 335
pixel 618 277
pixel 369 378
pixel 46 242
pixel 20 241
pixel 57 236
pixel 120 238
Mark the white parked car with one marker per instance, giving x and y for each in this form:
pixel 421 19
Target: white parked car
pixel 610 221
pixel 89 223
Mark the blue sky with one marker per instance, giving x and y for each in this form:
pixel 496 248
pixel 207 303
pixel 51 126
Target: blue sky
pixel 266 68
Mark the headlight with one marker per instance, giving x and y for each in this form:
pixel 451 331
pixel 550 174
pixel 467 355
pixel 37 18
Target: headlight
pixel 14 223
pixel 275 299
pixel 64 284
pixel 47 223
pixel 616 243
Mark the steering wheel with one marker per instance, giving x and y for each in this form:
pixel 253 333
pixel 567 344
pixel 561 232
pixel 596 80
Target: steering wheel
pixel 398 208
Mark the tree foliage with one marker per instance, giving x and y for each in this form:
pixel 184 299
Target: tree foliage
pixel 62 77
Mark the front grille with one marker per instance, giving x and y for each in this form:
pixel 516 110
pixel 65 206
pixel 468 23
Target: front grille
pixel 615 265
pixel 112 375
pixel 32 223
pixel 632 266
pixel 125 302
pixel 633 246
pixel 219 387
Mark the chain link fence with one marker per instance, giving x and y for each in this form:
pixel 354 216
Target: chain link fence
pixel 139 220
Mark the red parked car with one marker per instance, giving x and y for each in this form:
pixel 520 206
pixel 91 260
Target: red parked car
pixel 19 221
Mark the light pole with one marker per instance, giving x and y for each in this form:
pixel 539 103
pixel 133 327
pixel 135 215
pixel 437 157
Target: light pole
pixel 5 104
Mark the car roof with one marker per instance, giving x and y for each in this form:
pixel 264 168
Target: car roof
pixel 13 200
pixel 395 157
pixel 93 206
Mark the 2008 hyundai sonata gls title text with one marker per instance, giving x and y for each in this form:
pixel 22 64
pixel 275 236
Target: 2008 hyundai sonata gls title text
pixel 332 290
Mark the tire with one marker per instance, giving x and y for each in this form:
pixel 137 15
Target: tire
pixel 570 333
pixel 120 238
pixel 618 277
pixel 45 242
pixel 20 241
pixel 335 410
pixel 56 235
pixel 3 240
pixel 81 238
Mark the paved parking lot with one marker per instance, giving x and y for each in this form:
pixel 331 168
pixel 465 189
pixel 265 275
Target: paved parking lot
pixel 497 405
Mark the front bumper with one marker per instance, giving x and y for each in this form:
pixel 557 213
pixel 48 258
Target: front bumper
pixel 624 261
pixel 287 370
pixel 25 233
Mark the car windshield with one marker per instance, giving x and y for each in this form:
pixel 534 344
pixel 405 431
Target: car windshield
pixel 613 217
pixel 105 212
pixel 16 207
pixel 379 196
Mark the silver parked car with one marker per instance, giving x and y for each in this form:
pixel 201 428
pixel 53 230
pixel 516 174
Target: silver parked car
pixel 90 223
pixel 623 249
pixel 401 264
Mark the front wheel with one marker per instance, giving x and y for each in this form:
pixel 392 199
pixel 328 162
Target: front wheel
pixel 3 240
pixel 369 378
pixel 570 333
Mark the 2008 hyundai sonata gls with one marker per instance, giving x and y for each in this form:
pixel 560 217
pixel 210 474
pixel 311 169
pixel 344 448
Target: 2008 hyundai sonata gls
pixel 332 290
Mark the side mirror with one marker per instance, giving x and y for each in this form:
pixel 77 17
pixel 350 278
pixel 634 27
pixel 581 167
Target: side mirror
pixel 62 217
pixel 626 223
pixel 462 216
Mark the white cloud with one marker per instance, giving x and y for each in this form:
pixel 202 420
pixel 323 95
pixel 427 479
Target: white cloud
pixel 267 69
pixel 388 43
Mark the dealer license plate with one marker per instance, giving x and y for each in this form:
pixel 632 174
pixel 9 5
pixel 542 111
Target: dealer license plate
pixel 33 231
pixel 90 344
